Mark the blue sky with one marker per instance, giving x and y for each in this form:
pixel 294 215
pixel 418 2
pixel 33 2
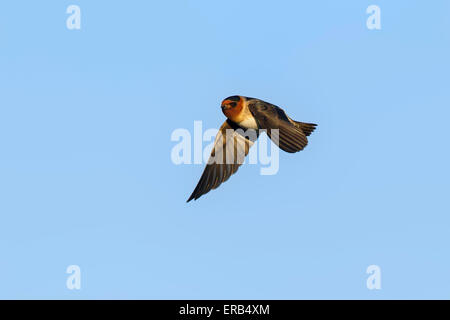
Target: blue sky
pixel 86 176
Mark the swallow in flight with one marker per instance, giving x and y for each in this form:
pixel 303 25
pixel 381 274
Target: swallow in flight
pixel 246 118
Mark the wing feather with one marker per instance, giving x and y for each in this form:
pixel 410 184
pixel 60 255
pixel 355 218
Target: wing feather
pixel 229 151
pixel 277 125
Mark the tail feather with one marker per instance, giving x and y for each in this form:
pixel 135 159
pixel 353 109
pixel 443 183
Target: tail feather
pixel 307 128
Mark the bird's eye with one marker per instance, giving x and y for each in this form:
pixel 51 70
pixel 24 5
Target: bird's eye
pixel 233 104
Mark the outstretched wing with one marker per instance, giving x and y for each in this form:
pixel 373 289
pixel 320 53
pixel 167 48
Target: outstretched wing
pixel 231 146
pixel 288 137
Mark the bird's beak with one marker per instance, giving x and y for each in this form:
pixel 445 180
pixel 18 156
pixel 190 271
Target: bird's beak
pixel 225 107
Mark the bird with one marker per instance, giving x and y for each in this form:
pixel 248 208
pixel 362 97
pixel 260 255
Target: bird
pixel 246 119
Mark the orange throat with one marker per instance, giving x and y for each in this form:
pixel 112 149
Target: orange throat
pixel 235 114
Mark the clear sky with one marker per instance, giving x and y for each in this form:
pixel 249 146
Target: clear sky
pixel 86 176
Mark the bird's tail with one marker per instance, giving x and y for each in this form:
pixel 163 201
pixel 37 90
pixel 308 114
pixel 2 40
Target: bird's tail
pixel 307 128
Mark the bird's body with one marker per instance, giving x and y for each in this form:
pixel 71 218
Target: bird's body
pixel 246 117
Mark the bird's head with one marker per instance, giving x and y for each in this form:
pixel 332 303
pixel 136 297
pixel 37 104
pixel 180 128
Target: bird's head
pixel 232 106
